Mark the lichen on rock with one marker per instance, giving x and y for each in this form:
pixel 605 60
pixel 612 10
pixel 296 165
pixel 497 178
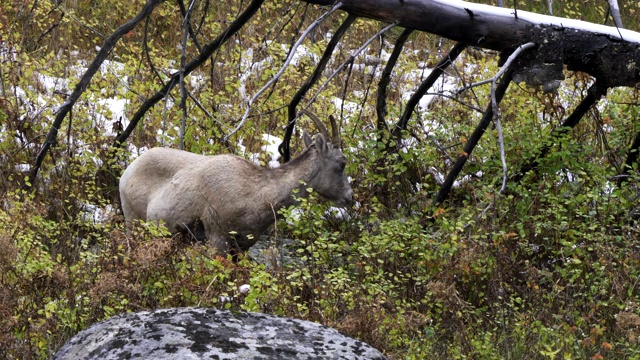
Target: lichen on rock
pixel 199 333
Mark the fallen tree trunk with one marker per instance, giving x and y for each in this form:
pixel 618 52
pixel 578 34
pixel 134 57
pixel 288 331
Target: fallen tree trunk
pixel 609 54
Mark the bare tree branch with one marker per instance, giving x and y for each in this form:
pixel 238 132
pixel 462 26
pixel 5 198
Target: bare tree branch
pixel 550 7
pixel 473 140
pixel 349 60
pixel 293 44
pixel 77 20
pixel 496 109
pixel 385 78
pixel 439 69
pixel 282 69
pixel 580 45
pixel 595 92
pixel 632 157
pixel 186 25
pixel 284 148
pixel 66 107
pixel 186 14
pixel 207 51
pixel 615 13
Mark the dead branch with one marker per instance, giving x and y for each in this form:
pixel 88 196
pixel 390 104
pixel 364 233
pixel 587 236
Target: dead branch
pixel 439 69
pixel 186 14
pixel 385 79
pixel 496 109
pixel 632 158
pixel 473 140
pixel 595 92
pixel 282 68
pixel 207 51
pixel 349 61
pixel 614 9
pixel 284 148
pixel 66 107
pixel 186 25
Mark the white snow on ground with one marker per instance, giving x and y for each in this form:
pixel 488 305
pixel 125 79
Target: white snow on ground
pixel 117 108
pixel 301 53
pixel 24 168
pixel 271 149
pixel 445 84
pixel 249 67
pixel 349 107
pixel 338 213
pixel 95 214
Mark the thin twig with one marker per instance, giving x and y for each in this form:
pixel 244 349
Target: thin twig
pixel 385 78
pixel 186 23
pixel 473 140
pixel 283 68
pixel 594 93
pixel 206 112
pixel 145 47
pixel 496 110
pixel 297 30
pixel 292 115
pixel 79 21
pixel 435 74
pixel 511 58
pixel 207 289
pixel 183 59
pixel 349 60
pixel 206 53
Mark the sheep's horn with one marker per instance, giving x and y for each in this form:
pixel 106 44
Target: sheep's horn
pixel 323 129
pixel 335 131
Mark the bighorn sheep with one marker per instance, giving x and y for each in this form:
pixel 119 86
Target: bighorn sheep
pixel 224 198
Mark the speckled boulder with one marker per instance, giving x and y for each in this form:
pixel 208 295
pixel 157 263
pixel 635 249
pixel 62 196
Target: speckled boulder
pixel 203 333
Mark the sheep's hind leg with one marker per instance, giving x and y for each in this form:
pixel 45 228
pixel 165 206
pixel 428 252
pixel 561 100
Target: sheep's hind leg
pixel 215 240
pixel 193 232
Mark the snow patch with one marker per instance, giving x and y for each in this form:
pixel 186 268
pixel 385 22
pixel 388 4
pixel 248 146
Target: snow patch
pixel 271 148
pixel 481 10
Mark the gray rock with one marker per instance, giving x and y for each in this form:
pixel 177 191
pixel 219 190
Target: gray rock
pixel 204 333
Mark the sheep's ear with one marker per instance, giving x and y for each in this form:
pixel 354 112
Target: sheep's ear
pixel 321 143
pixel 306 138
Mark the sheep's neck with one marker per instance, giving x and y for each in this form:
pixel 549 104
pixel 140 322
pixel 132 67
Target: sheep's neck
pixel 295 175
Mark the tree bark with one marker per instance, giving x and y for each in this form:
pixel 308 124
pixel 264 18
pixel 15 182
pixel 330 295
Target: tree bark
pixel 483 30
pixel 611 55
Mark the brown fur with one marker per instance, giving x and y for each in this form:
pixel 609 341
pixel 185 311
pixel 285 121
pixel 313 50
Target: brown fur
pixel 226 193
